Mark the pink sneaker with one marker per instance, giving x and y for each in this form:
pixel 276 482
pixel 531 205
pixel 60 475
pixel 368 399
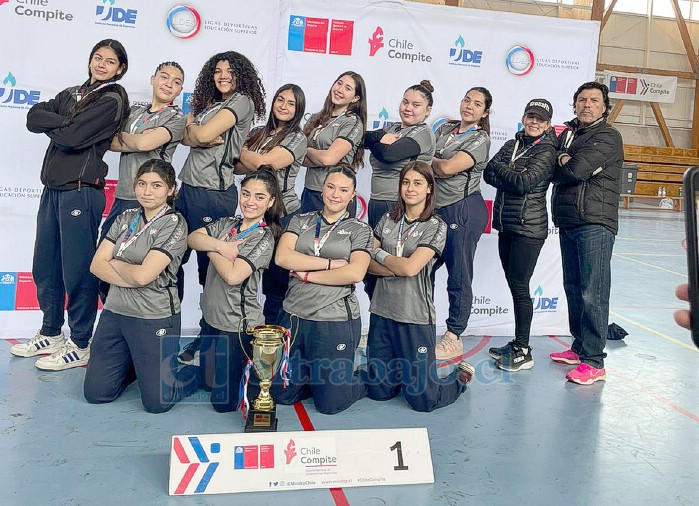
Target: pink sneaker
pixel 565 357
pixel 586 375
pixel 448 348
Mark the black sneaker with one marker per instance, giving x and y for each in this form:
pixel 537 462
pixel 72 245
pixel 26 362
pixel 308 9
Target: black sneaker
pixel 190 352
pixel 496 353
pixel 516 359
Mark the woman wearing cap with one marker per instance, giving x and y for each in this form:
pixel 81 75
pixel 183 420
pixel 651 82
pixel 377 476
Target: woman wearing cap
pixel 521 171
pixel 402 332
pixel 138 334
pixel 327 252
pixel 461 156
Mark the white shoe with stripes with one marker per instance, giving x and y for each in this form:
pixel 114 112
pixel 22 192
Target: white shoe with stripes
pixel 67 357
pixel 39 345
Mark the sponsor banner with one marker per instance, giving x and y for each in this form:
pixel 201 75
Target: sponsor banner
pixel 392 44
pixel 642 87
pixel 274 461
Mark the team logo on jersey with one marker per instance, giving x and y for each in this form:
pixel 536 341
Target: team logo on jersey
pixel 76 212
pixel 386 230
pixel 341 347
pixel 422 349
pixel 160 332
pixel 206 219
pixel 344 232
pixel 453 226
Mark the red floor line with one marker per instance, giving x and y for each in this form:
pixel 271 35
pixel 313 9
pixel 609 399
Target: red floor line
pixel 643 389
pixel 337 493
pixel 12 341
pixel 482 344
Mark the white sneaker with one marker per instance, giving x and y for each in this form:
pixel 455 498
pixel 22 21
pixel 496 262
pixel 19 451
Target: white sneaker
pixel 449 348
pixel 67 357
pixel 39 345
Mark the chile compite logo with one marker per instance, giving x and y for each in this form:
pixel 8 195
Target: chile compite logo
pixel 17 96
pixel 290 451
pixel 376 41
pixel 519 60
pixel 183 21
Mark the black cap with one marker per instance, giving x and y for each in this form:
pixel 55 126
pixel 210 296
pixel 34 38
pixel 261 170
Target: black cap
pixel 540 107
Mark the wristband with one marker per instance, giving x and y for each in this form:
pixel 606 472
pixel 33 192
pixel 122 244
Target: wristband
pixel 328 267
pixel 305 278
pixel 381 256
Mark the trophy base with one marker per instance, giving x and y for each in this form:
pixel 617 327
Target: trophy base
pixel 261 421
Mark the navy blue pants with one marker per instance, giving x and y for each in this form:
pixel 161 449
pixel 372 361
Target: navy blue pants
pixel 466 221
pixel 401 356
pixel 200 207
pixel 119 206
pixel 376 209
pixel 322 365
pixel 66 237
pixel 275 281
pixel 312 200
pixel 586 253
pixel 222 361
pixel 125 349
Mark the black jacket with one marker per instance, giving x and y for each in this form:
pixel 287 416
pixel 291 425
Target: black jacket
pixel 74 155
pixel 586 189
pixel 520 202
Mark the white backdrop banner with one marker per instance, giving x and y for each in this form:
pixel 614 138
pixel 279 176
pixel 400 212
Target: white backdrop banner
pixel 392 44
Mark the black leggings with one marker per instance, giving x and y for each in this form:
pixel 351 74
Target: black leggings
pixel 518 255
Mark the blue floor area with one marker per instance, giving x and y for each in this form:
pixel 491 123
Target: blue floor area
pixel 520 438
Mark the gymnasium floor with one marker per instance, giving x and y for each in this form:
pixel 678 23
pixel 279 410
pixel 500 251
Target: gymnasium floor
pixel 523 438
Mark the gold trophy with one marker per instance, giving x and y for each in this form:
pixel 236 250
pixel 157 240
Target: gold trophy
pixel 270 349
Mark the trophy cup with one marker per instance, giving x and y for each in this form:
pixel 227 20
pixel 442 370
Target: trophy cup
pixel 270 351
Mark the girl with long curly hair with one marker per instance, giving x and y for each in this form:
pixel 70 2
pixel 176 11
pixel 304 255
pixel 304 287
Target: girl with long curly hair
pixel 227 96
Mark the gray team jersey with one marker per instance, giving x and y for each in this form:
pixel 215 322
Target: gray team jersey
pixel 384 176
pixel 311 301
pixel 408 299
pixel 212 168
pixel 141 120
pixel 347 126
pixel 159 299
pixel 223 305
pixel 294 143
pixel 475 143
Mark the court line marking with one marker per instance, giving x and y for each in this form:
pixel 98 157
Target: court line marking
pixel 619 255
pixel 655 332
pixel 642 388
pixel 478 347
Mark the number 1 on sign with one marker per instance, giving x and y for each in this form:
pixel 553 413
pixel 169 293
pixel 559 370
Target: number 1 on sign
pixel 399 451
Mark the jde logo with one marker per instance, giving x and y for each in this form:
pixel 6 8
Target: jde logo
pixel 115 16
pixel 186 103
pixel 465 57
pixel 544 304
pixel 11 96
pixel 382 122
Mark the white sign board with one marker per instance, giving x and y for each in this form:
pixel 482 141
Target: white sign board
pixel 643 87
pixel 257 462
